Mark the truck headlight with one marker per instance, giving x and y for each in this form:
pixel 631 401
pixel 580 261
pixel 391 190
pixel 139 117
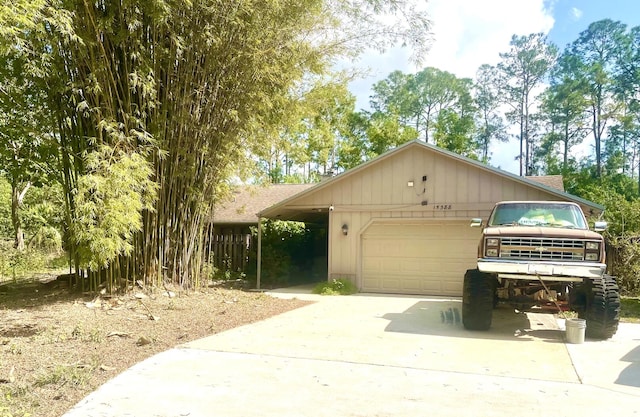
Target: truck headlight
pixel 593 246
pixel 591 256
pixel 492 252
pixel 493 242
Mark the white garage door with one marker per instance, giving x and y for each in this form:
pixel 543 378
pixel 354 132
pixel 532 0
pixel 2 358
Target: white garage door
pixel 422 258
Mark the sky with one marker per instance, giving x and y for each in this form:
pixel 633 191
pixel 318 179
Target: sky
pixel 469 33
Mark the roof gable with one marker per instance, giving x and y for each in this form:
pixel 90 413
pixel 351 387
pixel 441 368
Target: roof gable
pixel 547 186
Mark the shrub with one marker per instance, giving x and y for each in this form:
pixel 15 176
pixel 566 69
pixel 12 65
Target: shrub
pixel 6 228
pixel 208 270
pixel 59 261
pixel 17 264
pixel 624 262
pixel 211 273
pixel 47 239
pixel 630 309
pixel 339 286
pixel 284 244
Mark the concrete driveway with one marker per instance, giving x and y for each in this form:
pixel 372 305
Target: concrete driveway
pixel 374 355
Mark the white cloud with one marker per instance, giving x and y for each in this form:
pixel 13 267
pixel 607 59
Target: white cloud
pixel 466 35
pixel 575 14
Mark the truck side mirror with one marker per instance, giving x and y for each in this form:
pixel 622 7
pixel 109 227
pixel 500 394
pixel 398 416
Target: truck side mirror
pixel 600 226
pixel 476 223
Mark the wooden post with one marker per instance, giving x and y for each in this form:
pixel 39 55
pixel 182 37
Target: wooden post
pixel 259 260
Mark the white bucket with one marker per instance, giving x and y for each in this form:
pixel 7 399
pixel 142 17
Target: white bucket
pixel 575 330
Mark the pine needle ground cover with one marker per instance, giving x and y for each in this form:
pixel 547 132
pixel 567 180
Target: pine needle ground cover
pixel 57 346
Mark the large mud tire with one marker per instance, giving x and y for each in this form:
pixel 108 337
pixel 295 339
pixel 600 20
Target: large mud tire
pixel 602 308
pixel 477 300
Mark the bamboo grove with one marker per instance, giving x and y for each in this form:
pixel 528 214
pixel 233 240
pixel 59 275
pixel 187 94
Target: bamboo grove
pixel 167 104
pixel 151 106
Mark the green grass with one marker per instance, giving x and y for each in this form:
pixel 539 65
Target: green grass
pixel 61 375
pixel 630 309
pixel 339 286
pixel 13 402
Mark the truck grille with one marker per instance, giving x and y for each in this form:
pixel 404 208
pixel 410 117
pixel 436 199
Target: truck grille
pixel 542 249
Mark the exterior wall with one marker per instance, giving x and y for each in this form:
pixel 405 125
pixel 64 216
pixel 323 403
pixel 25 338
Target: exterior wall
pixel 454 190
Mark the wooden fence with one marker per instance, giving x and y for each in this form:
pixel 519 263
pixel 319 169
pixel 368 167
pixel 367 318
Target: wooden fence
pixel 229 252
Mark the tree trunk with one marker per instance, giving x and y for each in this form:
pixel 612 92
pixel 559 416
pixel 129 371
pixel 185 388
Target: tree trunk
pixel 527 157
pixel 485 145
pixel 17 197
pixel 521 143
pixel 597 132
pixel 596 136
pixel 565 154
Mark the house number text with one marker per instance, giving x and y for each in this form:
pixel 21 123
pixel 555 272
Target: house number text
pixel 442 207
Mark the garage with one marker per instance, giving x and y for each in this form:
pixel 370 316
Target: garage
pixel 427 257
pixel 399 223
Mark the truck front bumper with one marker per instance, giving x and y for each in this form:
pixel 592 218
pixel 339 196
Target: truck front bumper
pixel 555 271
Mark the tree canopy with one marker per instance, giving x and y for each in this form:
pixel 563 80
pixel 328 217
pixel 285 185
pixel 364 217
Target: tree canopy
pixel 144 112
pixel 151 107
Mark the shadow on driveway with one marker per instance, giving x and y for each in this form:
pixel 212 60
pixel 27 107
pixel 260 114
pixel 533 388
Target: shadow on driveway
pixel 444 318
pixel 631 374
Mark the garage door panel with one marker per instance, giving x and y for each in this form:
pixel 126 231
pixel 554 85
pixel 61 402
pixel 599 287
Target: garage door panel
pixel 375 282
pixel 390 264
pixel 452 287
pixel 398 284
pixel 423 258
pixel 412 265
pixel 371 267
pixel 391 284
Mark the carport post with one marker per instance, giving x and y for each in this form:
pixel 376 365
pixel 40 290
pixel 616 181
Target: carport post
pixel 259 253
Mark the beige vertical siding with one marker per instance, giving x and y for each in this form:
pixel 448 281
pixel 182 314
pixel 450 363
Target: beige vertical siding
pixel 454 190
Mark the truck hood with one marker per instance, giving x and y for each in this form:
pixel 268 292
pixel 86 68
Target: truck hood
pixel 548 232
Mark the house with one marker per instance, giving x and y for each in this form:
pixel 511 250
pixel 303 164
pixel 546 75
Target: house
pixel 240 211
pixel 400 223
pixel 229 240
pixel 551 181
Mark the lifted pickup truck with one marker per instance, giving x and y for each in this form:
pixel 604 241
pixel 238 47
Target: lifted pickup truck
pixel 541 256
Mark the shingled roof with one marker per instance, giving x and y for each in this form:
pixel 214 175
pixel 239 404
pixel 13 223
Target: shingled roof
pixel 246 201
pixel 553 181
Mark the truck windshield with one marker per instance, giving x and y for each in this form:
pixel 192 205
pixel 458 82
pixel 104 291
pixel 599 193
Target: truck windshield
pixel 538 214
